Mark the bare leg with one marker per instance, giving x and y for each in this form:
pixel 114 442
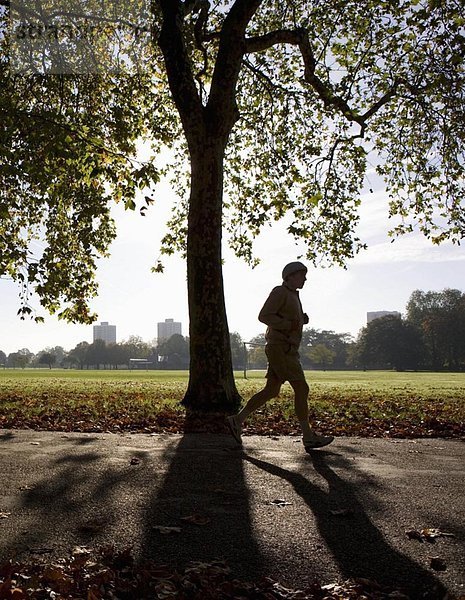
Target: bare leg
pixel 270 391
pixel 301 390
pixel 310 439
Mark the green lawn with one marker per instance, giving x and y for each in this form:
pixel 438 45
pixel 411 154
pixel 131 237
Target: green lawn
pixel 368 403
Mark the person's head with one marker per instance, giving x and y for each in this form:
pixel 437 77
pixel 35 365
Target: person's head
pixel 295 274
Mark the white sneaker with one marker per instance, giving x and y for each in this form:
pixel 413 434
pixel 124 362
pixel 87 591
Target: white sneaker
pixel 318 442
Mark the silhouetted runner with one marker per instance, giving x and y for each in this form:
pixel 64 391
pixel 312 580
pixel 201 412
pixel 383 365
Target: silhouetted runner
pixel 285 318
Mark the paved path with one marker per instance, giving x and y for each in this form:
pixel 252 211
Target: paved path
pixel 268 509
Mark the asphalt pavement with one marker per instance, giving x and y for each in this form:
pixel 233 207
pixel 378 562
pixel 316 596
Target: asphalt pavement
pixel 383 509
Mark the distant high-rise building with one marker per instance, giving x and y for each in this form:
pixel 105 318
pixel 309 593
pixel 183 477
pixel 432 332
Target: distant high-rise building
pixel 371 316
pixel 105 332
pixel 167 329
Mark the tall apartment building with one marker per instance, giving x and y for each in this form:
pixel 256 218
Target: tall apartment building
pixel 371 316
pixel 167 329
pixel 105 332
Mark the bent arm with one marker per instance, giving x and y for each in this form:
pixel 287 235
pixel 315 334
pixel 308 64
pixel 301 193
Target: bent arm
pixel 270 312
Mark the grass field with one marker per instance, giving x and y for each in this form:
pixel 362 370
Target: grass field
pixel 369 403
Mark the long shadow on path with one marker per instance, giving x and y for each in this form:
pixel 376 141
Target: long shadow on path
pixel 204 492
pixel 96 491
pixel 355 542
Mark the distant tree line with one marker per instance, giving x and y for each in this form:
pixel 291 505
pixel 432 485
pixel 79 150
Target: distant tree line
pixel 172 353
pixel 431 336
pixel 169 354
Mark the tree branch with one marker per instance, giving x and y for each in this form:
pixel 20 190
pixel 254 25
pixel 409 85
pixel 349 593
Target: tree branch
pixel 299 37
pixel 178 66
pixel 231 49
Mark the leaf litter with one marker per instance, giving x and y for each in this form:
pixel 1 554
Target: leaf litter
pixel 155 407
pixel 110 574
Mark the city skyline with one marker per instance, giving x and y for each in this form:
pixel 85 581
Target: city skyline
pixel 106 331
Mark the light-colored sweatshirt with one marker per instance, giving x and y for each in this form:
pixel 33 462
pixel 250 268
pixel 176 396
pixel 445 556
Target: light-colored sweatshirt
pixel 283 314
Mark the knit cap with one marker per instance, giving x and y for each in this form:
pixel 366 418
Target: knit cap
pixel 293 267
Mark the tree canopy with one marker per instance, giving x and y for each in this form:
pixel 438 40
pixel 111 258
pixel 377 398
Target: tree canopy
pixel 440 316
pixel 273 108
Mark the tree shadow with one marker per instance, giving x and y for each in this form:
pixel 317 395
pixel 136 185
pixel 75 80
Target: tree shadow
pixel 205 494
pixel 72 500
pixel 85 495
pixel 357 545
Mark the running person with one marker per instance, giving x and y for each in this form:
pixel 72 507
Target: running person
pixel 284 317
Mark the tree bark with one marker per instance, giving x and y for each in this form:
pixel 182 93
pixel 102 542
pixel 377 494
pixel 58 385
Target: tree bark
pixel 211 386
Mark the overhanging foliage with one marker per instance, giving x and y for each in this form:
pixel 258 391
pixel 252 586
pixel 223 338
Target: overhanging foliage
pixel 317 90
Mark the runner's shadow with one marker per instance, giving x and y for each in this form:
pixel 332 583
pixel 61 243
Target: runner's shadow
pixel 357 545
pixel 204 483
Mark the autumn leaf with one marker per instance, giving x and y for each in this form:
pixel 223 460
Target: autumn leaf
pixel 427 534
pixel 431 534
pixel 196 519
pixel 279 502
pixel 93 594
pixel 5 587
pixel 166 530
pixel 341 512
pixel 81 551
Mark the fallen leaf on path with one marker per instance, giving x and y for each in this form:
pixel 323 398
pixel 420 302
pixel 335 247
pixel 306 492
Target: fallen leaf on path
pixel 435 533
pixel 80 551
pixel 279 502
pixel 166 530
pixel 341 512
pixel 134 461
pixel 196 519
pixel 427 534
pixel 4 515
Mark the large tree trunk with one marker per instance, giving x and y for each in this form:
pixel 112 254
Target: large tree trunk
pixel 211 384
pixel 207 127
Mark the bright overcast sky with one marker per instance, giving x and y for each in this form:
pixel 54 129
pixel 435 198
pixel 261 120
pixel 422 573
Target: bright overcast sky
pixel 132 298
